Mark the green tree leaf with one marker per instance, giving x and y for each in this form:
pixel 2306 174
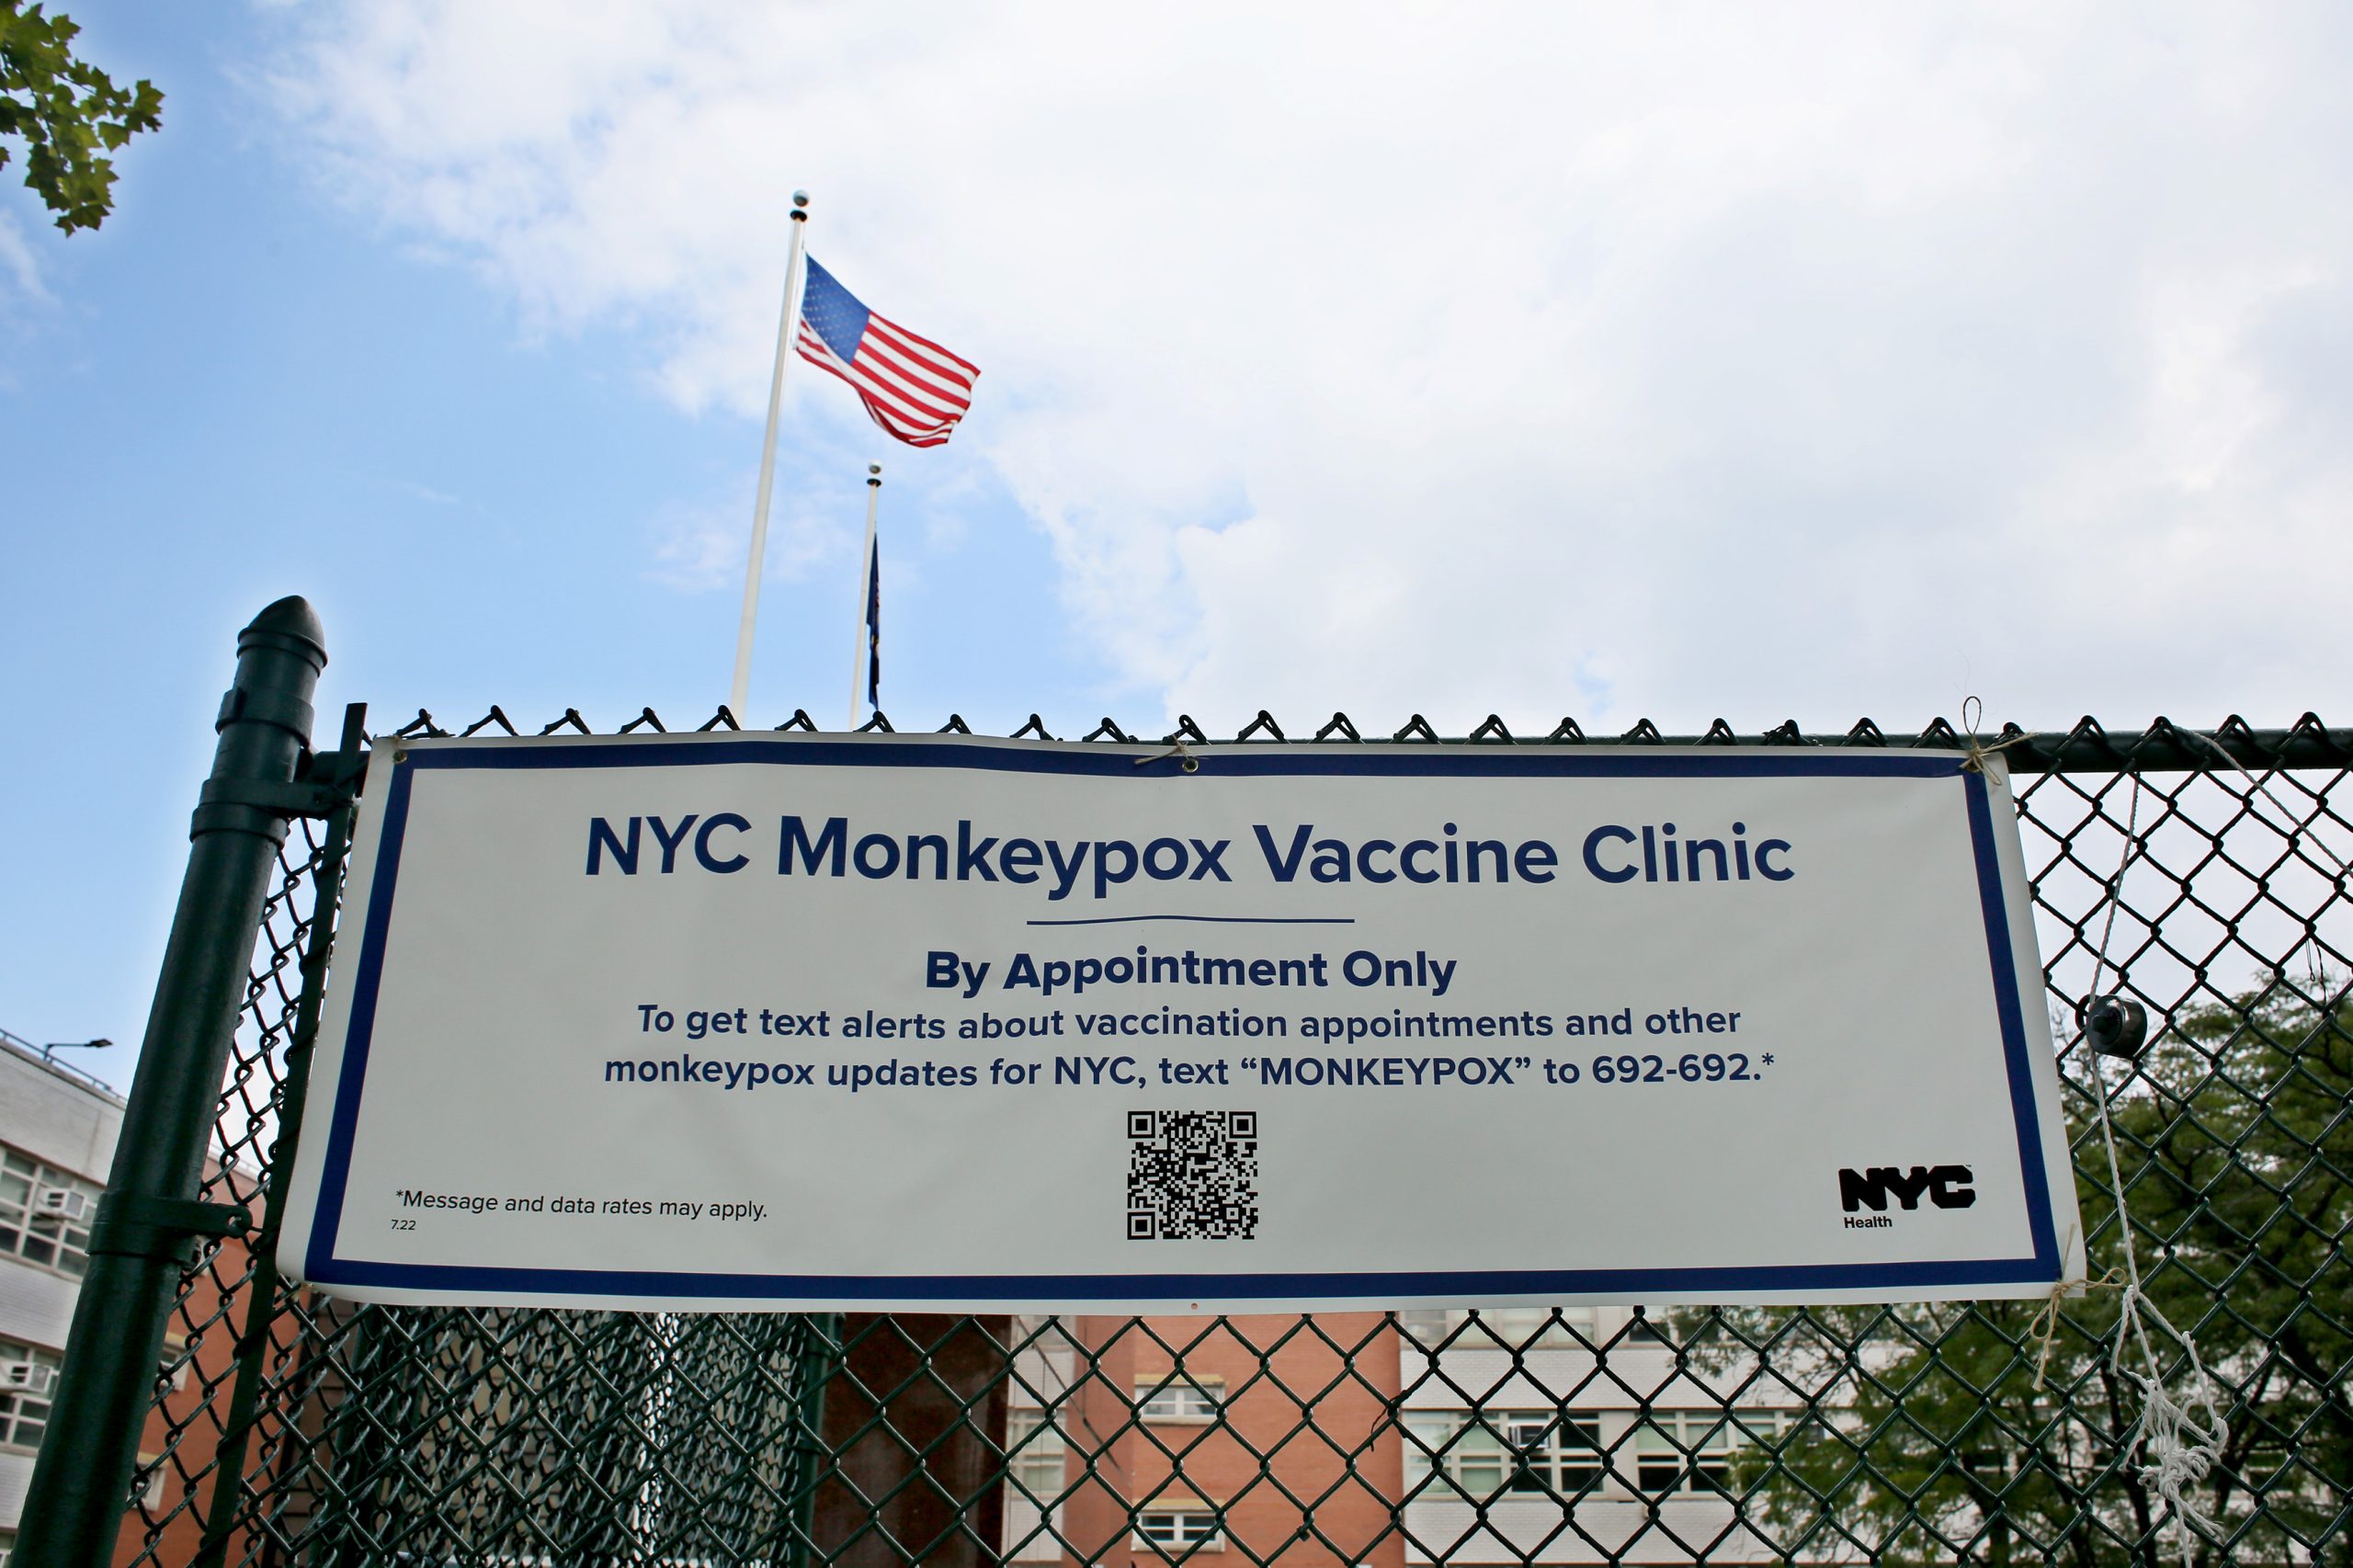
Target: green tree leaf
pixel 66 113
pixel 1992 1433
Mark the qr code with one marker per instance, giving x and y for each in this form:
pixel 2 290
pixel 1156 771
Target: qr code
pixel 1192 1176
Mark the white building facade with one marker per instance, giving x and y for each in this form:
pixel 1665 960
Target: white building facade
pixel 1527 1436
pixel 57 1137
pixel 1569 1435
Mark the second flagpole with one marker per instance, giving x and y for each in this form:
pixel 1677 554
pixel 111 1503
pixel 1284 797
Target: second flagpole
pixel 739 694
pixel 867 630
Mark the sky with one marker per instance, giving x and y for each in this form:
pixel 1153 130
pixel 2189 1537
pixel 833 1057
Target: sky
pixel 1677 361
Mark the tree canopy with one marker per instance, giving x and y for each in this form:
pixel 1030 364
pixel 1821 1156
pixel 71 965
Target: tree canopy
pixel 67 113
pixel 1977 1433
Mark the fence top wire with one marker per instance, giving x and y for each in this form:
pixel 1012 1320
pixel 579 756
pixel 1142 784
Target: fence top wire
pixel 2086 747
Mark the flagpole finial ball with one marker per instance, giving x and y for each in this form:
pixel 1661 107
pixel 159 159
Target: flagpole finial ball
pixel 801 198
pixel 873 473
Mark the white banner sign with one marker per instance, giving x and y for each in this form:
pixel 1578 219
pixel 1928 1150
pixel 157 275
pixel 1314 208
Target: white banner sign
pixel 771 1021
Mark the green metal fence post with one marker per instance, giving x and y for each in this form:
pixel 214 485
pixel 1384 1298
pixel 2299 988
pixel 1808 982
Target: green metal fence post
pixel 348 762
pixel 81 1484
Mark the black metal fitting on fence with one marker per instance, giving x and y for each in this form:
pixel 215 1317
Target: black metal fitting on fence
pixel 82 1481
pixel 2117 1026
pixel 160 1228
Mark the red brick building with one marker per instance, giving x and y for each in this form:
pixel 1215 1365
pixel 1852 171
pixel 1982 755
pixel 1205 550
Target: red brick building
pixel 1166 1436
pixel 1521 1436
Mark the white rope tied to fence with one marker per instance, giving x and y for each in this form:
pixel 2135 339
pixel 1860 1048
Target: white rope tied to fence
pixel 1972 714
pixel 2181 1448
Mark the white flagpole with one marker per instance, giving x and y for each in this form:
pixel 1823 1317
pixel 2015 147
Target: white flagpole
pixel 865 587
pixel 740 693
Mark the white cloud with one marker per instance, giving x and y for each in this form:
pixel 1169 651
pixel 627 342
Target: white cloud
pixel 18 265
pixel 1686 359
pixel 700 548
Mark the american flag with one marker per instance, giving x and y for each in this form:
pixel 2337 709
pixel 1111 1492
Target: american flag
pixel 913 387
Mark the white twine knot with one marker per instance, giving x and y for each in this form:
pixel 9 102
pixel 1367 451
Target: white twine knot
pixel 1972 713
pixel 1186 760
pixel 2043 1330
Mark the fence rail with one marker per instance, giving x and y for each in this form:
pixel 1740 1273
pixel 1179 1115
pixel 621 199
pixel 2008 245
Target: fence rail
pixel 2199 871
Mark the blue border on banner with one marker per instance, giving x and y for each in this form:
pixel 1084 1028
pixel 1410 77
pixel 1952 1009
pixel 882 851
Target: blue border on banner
pixel 323 1266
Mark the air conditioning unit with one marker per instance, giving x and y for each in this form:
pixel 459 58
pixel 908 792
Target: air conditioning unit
pixel 27 1377
pixel 60 1203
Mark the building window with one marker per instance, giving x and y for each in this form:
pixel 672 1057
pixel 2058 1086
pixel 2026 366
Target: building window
pixel 1179 1399
pixel 1480 1455
pixel 1500 1328
pixel 1557 1454
pixel 45 1213
pixel 27 1381
pixel 1033 1451
pixel 1449 1457
pixel 1176 1531
pixel 1692 1450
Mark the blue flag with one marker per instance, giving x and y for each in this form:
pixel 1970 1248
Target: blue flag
pixel 874 626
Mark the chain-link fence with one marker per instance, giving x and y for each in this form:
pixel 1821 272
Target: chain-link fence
pixel 2201 874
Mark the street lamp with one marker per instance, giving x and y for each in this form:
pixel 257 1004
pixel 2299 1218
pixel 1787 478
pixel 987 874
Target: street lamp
pixel 47 1050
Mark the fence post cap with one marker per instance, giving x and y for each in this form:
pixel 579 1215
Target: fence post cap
pixel 292 625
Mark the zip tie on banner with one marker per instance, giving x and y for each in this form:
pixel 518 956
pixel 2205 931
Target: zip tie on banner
pixel 1972 713
pixel 2180 1449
